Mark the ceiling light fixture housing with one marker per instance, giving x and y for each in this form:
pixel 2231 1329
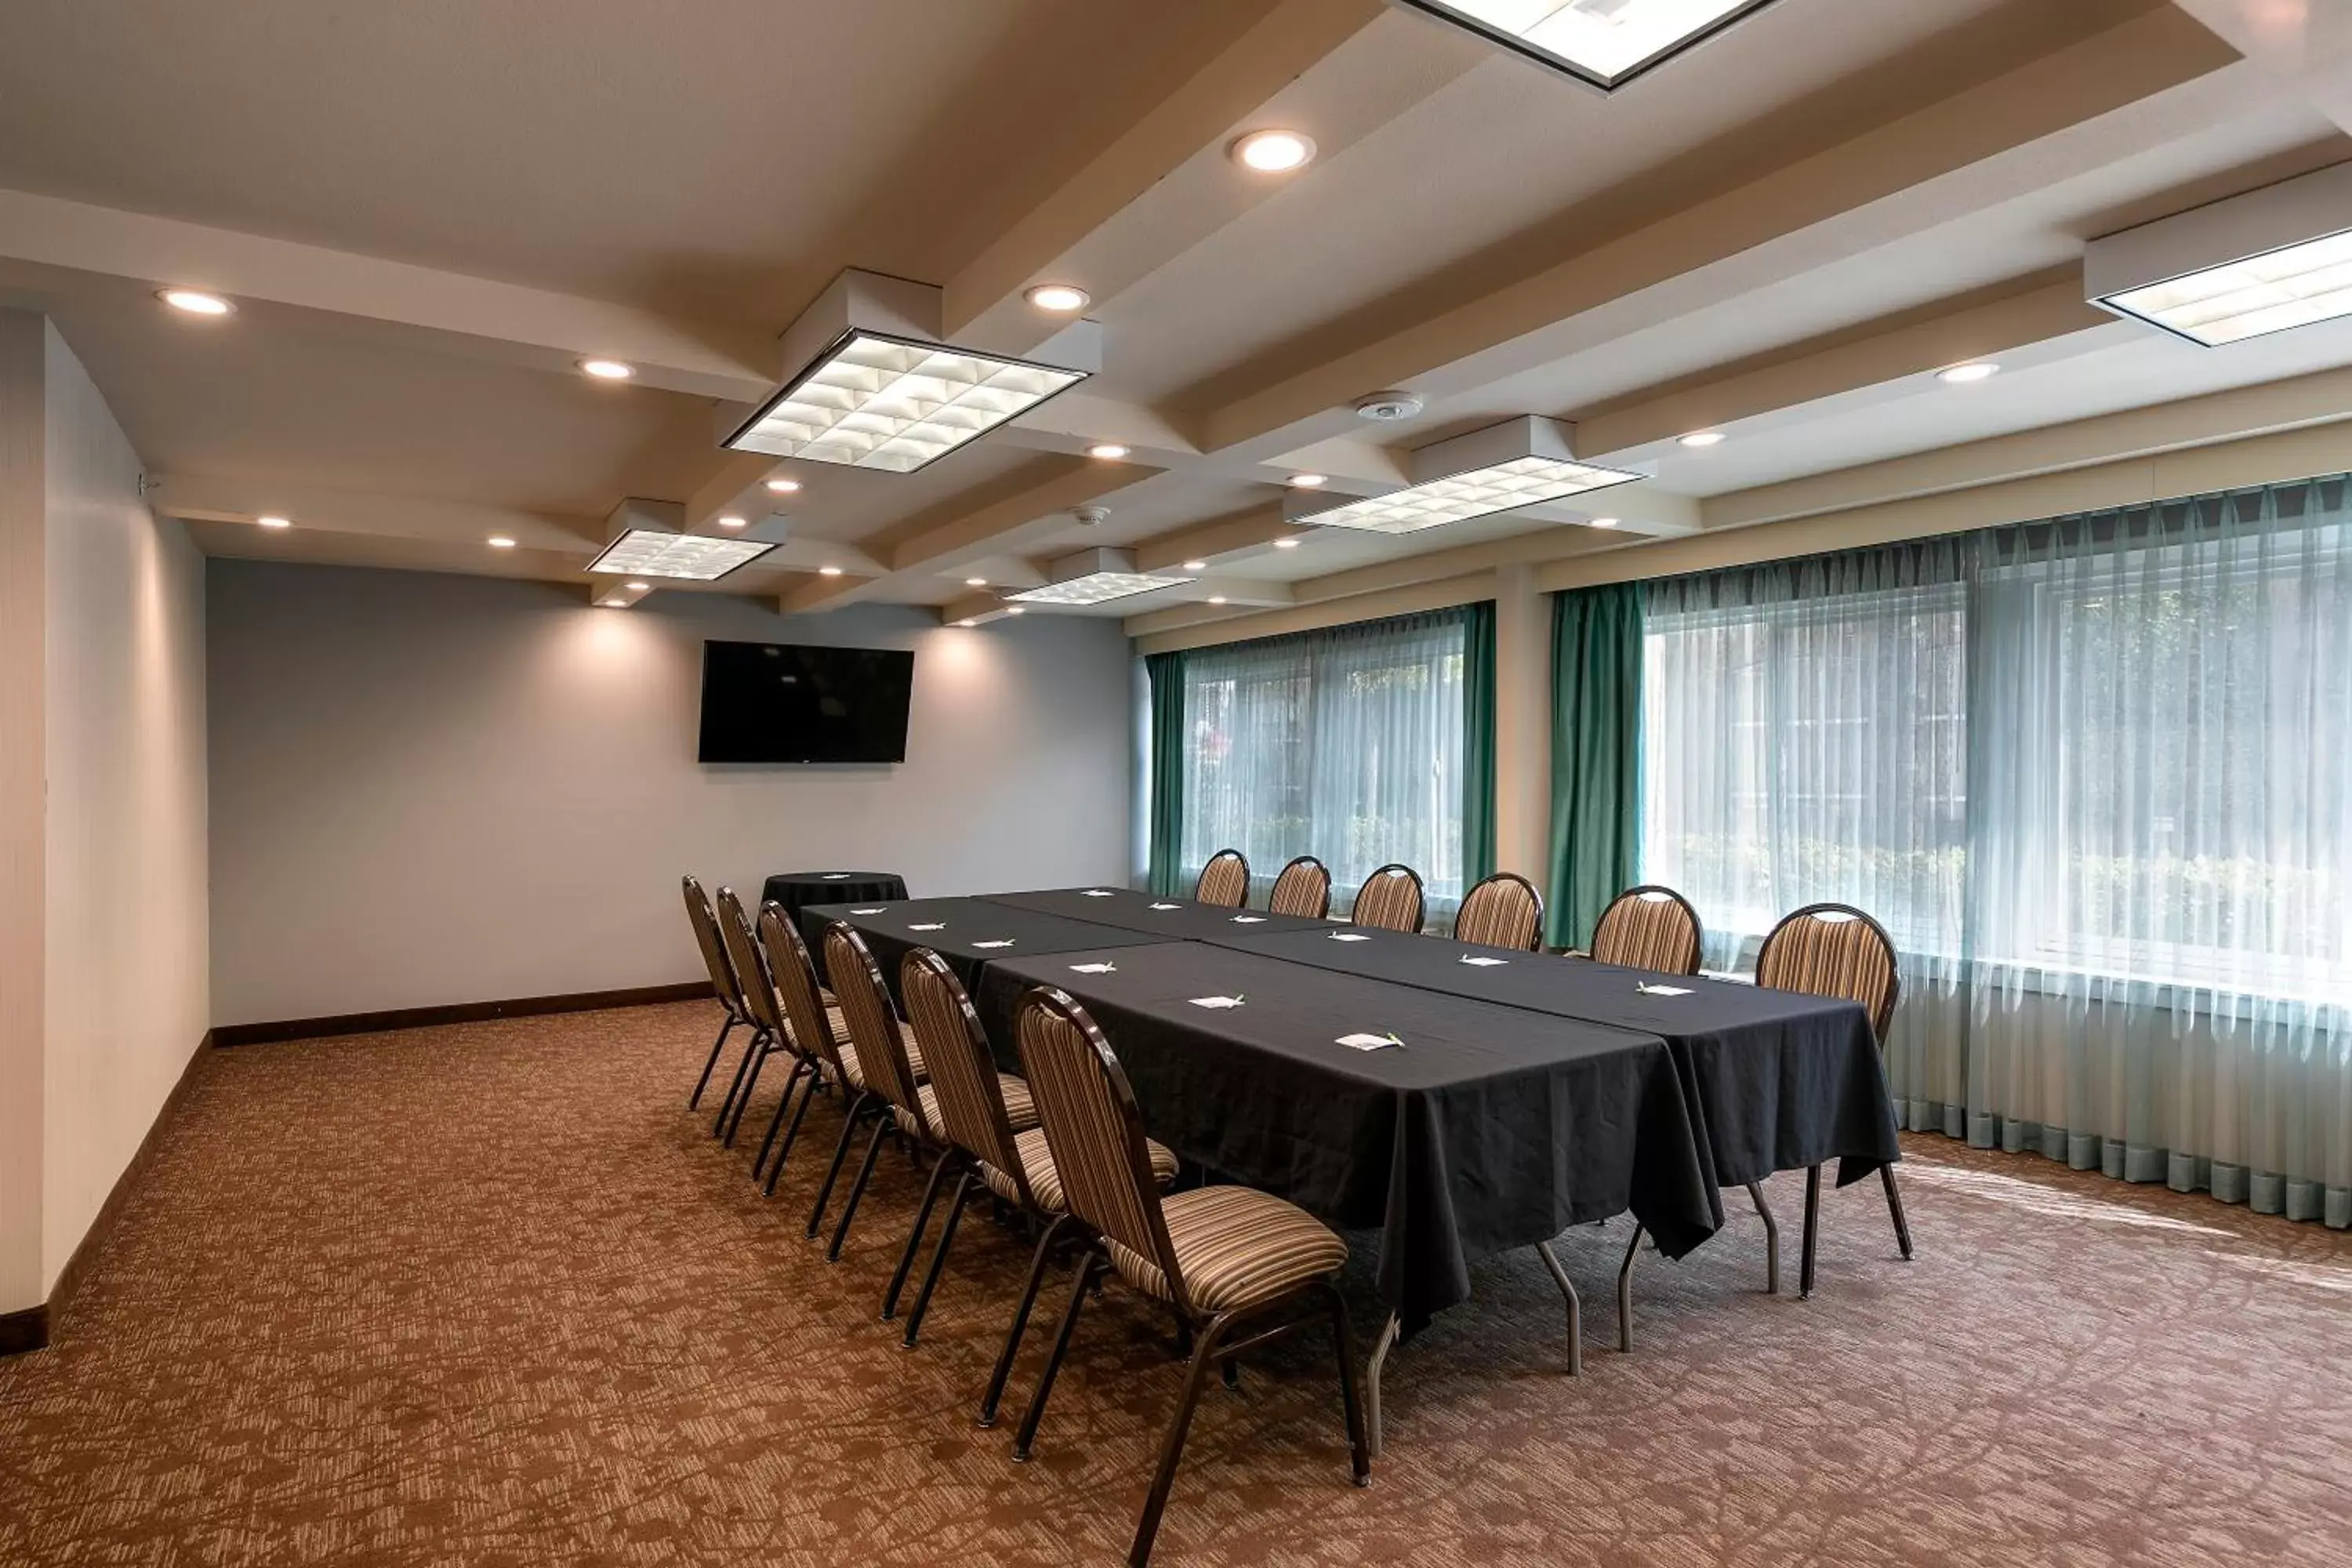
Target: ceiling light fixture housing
pixel 1059 299
pixel 1522 462
pixel 649 540
pixel 1601 43
pixel 1700 440
pixel 1273 152
pixel 274 521
pixel 2244 268
pixel 877 389
pixel 195 302
pixel 1109 451
pixel 784 487
pixel 608 369
pixel 1964 374
pixel 1096 577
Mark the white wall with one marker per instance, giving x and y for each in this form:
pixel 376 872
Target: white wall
pixel 22 545
pixel 432 789
pixel 126 971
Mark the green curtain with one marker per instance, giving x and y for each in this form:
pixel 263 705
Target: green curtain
pixel 1477 743
pixel 1596 754
pixel 1167 826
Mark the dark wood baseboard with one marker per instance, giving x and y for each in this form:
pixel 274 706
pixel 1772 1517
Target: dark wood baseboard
pixel 24 1331
pixel 454 1013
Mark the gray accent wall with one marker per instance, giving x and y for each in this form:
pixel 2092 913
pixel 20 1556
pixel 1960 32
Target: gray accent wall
pixel 429 789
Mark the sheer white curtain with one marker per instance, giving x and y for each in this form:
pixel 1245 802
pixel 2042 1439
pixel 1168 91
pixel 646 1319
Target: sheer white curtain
pixel 1346 744
pixel 2093 776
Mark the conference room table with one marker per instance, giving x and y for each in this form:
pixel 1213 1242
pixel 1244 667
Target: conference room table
pixel 968 932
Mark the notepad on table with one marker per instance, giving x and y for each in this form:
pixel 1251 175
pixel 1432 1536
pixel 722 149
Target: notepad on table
pixel 1475 961
pixel 1646 989
pixel 1368 1042
pixel 865 911
pixel 935 925
pixel 1249 919
pixel 1167 906
pixel 1216 1000
pixel 1349 936
pixel 1098 893
pixel 1005 943
pixel 1094 968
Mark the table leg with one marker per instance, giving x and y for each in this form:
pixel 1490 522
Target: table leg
pixel 1771 1240
pixel 1575 1308
pixel 1381 1348
pixel 1625 1293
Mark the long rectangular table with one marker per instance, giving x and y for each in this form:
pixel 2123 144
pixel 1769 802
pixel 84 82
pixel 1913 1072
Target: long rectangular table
pixel 968 932
pixel 1167 919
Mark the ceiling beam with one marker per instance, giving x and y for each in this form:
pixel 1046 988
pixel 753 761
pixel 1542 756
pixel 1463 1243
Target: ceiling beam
pixel 2307 45
pixel 311 508
pixel 2063 112
pixel 475 316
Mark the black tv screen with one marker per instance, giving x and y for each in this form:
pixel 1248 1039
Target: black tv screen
pixel 770 702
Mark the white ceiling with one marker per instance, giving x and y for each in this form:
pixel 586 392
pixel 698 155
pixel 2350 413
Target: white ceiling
pixel 1779 234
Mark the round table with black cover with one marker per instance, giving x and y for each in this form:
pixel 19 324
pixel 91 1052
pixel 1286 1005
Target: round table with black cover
pixel 798 890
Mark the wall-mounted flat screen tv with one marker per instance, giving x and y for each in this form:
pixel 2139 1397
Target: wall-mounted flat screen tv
pixel 775 703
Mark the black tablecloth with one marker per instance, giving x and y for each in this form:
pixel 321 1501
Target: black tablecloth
pixel 1490 1128
pixel 1169 920
pixel 796 891
pixel 968 930
pixel 1779 1081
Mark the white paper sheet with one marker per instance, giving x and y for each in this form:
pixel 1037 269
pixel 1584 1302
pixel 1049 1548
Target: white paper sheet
pixel 1368 1042
pixel 1006 943
pixel 1094 968
pixel 1349 936
pixel 1216 1000
pixel 1475 961
pixel 865 911
pixel 1649 990
pixel 935 925
pixel 1167 906
pixel 1249 919
pixel 1098 893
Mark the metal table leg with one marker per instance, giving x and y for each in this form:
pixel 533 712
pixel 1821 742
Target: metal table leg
pixel 1381 1348
pixel 1575 1309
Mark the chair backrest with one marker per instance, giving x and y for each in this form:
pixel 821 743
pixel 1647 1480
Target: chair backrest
pixel 1504 910
pixel 758 988
pixel 1391 900
pixel 866 1008
pixel 794 975
pixel 1093 1128
pixel 1834 949
pixel 714 949
pixel 1224 881
pixel 1303 889
pixel 963 1074
pixel 1649 928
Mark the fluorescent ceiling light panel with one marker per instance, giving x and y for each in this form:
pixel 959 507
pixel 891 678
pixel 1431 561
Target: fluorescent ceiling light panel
pixel 1607 43
pixel 2292 287
pixel 1096 578
pixel 687 557
pixel 873 401
pixel 2251 264
pixel 1519 463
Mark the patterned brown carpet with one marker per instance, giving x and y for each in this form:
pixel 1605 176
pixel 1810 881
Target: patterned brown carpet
pixel 487 1295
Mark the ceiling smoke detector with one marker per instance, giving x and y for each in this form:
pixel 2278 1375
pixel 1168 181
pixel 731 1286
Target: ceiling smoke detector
pixel 1386 407
pixel 1090 516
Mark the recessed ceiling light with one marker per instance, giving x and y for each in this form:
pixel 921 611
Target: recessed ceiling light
pixel 1017 610
pixel 1473 493
pixel 967 623
pixel 274 521
pixel 1286 544
pixel 975 581
pixel 1698 438
pixel 2292 287
pixel 1094 577
pixel 784 487
pixel 1308 482
pixel 687 557
pixel 1606 43
pixel 1961 375
pixel 1273 152
pixel 614 604
pixel 1196 567
pixel 608 369
pixel 1216 598
pixel 641 587
pixel 828 571
pixel 501 541
pixel 732 520
pixel 1603 523
pixel 196 303
pixel 1110 451
pixel 1061 298
pixel 896 404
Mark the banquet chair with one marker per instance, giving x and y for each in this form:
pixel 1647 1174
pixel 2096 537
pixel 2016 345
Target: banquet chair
pixel 1504 910
pixel 877 1061
pixel 814 1023
pixel 759 1000
pixel 988 1124
pixel 723 979
pixel 1836 949
pixel 1390 900
pixel 1303 889
pixel 1650 927
pixel 1223 881
pixel 1218 1258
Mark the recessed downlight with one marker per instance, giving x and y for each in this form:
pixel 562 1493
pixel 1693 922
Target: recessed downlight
pixel 641 587
pixel 1962 375
pixel 975 581
pixel 828 571
pixel 1059 299
pixel 1274 152
pixel 608 369
pixel 966 622
pixel 1286 544
pixel 784 487
pixel 195 302
pixel 732 520
pixel 1016 610
pixel 1309 481
pixel 1603 523
pixel 273 522
pixel 1109 451
pixel 1216 598
pixel 1196 567
pixel 1703 438
pixel 501 541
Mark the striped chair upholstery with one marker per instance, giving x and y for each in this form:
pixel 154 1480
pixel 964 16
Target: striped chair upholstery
pixel 1390 900
pixel 817 1026
pixel 1834 949
pixel 1303 889
pixel 758 1001
pixel 722 980
pixel 969 1105
pixel 875 1059
pixel 1649 928
pixel 1223 881
pixel 1504 910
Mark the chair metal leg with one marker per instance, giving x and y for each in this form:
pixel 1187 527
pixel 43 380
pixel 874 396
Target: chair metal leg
pixel 1036 1412
pixel 792 1133
pixel 766 1048
pixel 840 1151
pixel 1813 1232
pixel 735 1084
pixel 1171 1447
pixel 963 1193
pixel 1625 1294
pixel 1359 1448
pixel 1771 1239
pixel 858 1188
pixel 1895 1209
pixel 1019 1322
pixel 1384 1343
pixel 915 1236
pixel 776 1122
pixel 1575 1308
pixel 703 1082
